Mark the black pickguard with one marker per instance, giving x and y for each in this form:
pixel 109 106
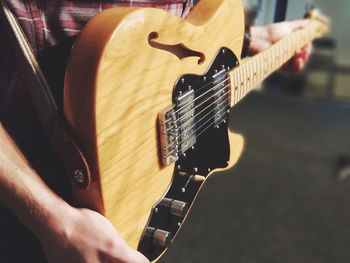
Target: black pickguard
pixel 211 151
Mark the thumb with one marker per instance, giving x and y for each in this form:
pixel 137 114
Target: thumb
pixel 136 256
pixel 129 256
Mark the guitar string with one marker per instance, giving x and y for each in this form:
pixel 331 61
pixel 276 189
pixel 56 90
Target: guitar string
pixel 256 67
pixel 238 72
pixel 198 121
pixel 198 136
pixel 201 132
pixel 188 112
pixel 228 98
pixel 194 124
pixel 241 94
pixel 301 35
pixel 243 68
pixel 243 91
pixel 187 104
pixel 266 57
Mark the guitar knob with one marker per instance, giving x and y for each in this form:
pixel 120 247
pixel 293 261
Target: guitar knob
pixel 160 238
pixel 176 207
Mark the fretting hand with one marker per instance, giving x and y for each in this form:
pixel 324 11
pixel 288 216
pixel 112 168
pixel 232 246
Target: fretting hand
pixel 262 37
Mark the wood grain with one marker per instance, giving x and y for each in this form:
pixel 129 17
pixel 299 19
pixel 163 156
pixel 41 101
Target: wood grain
pixel 116 84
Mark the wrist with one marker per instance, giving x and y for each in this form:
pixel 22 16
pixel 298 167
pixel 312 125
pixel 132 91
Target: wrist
pixel 53 219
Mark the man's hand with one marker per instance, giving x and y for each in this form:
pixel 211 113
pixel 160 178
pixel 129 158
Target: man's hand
pixel 85 236
pixel 67 234
pixel 262 37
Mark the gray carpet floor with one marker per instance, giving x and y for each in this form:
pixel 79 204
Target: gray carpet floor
pixel 282 202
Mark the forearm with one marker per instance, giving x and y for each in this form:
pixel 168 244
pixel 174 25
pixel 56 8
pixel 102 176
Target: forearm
pixel 23 191
pixel 66 234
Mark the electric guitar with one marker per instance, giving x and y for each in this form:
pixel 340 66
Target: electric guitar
pixel 148 96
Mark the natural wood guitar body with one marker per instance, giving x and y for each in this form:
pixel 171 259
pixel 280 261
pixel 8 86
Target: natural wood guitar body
pixel 147 96
pixel 141 87
pixel 117 82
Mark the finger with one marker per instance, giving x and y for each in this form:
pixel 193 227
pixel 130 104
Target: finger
pixel 288 67
pixel 298 24
pixel 298 61
pixel 293 65
pixel 304 54
pixel 137 257
pixel 127 255
pixel 308 51
pixel 299 64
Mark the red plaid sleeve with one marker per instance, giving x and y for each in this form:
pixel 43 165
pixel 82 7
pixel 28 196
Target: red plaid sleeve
pixel 47 22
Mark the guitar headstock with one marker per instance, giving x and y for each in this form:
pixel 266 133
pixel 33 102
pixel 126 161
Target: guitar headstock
pixel 323 22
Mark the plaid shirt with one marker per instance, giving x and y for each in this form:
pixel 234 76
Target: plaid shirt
pixel 46 23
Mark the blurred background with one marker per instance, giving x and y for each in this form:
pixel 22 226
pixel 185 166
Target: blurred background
pixel 288 198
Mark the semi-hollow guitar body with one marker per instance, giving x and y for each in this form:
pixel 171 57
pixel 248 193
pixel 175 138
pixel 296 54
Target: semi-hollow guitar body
pixel 147 96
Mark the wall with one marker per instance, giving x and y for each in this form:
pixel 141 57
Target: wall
pixel 338 11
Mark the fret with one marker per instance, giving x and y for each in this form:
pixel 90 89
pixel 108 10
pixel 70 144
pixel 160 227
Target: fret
pixel 256 72
pixel 232 84
pixel 272 59
pixel 282 54
pixel 255 69
pixel 279 51
pixel 236 76
pixel 246 76
pixel 288 49
pixel 241 83
pixel 259 68
pixel 254 81
pixel 263 68
pixel 267 62
pixel 234 91
pixel 250 77
pixel 235 87
pixel 294 43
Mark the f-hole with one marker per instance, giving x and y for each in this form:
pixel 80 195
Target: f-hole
pixel 179 50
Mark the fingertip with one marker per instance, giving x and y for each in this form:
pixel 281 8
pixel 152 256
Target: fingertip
pixel 299 64
pixel 143 259
pixel 136 256
pixel 298 24
pixel 308 51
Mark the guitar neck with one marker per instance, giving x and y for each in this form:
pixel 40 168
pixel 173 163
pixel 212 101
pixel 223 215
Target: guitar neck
pixel 254 70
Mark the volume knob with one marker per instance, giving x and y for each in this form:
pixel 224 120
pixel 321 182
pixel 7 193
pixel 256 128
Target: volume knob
pixel 176 207
pixel 160 237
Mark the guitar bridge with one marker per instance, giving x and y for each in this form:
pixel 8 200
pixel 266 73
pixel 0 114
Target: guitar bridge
pixel 177 128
